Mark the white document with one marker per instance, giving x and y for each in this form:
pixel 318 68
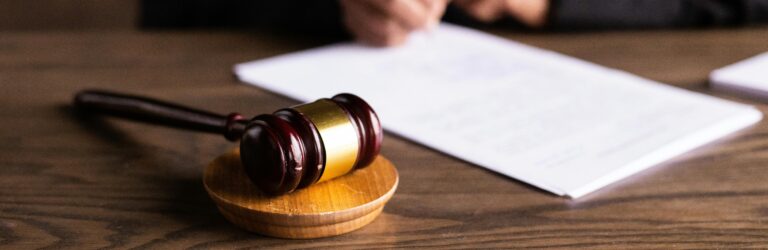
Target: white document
pixel 748 77
pixel 556 122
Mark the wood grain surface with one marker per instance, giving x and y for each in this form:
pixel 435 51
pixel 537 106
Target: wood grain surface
pixel 77 182
pixel 49 15
pixel 324 209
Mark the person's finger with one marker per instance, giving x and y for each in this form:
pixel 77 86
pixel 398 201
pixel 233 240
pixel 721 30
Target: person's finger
pixel 436 9
pixel 368 27
pixel 483 10
pixel 489 10
pixel 530 12
pixel 412 15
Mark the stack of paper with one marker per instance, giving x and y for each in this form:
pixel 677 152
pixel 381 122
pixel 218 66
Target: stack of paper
pixel 556 122
pixel 748 77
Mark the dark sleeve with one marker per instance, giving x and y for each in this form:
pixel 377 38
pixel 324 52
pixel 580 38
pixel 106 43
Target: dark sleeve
pixel 316 16
pixel 601 14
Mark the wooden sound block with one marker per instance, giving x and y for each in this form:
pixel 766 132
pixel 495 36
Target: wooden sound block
pixel 324 209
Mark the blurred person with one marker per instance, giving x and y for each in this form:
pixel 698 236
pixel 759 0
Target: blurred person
pixel 388 22
pixel 550 14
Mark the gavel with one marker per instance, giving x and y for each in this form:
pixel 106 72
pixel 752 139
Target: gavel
pixel 289 149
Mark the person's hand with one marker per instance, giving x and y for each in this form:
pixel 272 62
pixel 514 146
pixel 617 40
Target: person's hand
pixel 532 13
pixel 388 22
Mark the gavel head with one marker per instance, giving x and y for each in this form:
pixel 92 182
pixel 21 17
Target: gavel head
pixel 314 142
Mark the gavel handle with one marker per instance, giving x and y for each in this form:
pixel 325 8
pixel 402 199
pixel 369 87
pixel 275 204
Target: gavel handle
pixel 158 112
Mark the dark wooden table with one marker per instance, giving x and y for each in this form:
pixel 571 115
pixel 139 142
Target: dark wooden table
pixel 69 181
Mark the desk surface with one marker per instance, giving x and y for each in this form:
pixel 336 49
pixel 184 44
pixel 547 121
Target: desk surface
pixel 88 183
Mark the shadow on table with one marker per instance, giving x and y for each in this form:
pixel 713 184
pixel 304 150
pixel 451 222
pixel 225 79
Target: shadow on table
pixel 183 199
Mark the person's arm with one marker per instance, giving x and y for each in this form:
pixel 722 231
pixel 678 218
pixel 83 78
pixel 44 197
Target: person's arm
pixel 616 14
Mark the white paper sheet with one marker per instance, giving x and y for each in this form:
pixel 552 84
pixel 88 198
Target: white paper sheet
pixel 748 77
pixel 556 122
